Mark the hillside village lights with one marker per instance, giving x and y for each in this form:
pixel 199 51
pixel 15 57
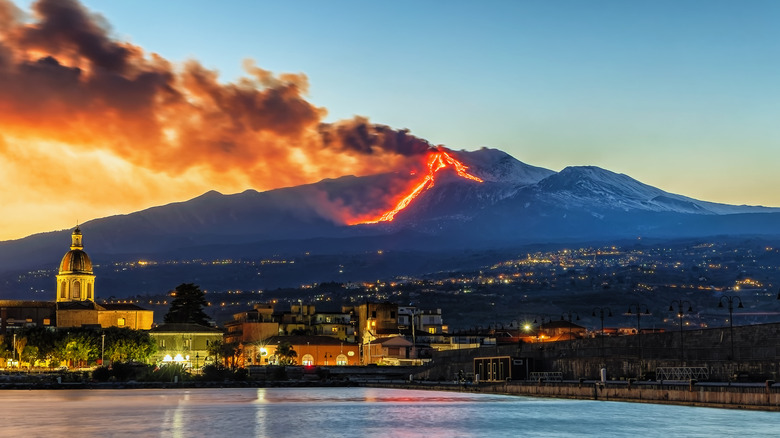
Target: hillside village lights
pixel 730 300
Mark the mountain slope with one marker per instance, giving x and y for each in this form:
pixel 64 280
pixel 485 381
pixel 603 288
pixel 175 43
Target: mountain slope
pixel 515 203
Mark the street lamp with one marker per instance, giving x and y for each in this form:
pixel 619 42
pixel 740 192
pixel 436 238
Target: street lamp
pixel 102 349
pixel 540 321
pixel 680 306
pixel 570 314
pixel 197 358
pixel 637 308
pixel 600 311
pixel 730 300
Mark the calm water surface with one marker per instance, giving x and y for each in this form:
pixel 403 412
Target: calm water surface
pixel 354 412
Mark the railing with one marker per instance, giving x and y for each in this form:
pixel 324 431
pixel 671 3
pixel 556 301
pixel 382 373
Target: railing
pixel 682 373
pixel 551 376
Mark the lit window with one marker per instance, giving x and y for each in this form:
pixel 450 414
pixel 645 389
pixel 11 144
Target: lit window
pixel 308 360
pixel 432 330
pixel 120 322
pixel 341 359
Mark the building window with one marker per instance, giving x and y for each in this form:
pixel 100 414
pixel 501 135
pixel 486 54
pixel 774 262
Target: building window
pixel 120 322
pixel 76 291
pixel 341 359
pixel 432 330
pixel 64 290
pixel 373 314
pixel 162 343
pixel 89 291
pixel 308 360
pixel 335 329
pixel 392 314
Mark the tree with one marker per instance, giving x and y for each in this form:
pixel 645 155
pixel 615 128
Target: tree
pixel 188 305
pixel 124 344
pixel 21 342
pixel 44 339
pixel 30 354
pixel 286 354
pixel 227 352
pixel 77 349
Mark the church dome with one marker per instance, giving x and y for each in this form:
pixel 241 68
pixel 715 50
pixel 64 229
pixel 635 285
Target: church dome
pixel 76 260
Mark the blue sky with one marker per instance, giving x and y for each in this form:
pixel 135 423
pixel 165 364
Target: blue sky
pixel 678 94
pixel 682 95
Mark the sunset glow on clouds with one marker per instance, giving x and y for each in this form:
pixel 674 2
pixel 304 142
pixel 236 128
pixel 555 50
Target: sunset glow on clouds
pixel 91 126
pixel 108 107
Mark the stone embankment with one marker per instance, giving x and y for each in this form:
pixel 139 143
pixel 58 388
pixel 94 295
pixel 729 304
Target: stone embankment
pixel 764 396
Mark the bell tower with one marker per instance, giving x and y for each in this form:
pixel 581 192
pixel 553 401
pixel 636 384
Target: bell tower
pixel 75 281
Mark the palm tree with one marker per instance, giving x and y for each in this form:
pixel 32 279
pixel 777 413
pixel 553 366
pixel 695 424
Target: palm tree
pixel 286 354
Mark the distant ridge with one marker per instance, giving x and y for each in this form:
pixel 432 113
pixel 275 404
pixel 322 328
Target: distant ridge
pixel 517 204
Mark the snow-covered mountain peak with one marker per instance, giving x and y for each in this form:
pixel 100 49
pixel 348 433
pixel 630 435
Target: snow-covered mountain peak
pixel 497 166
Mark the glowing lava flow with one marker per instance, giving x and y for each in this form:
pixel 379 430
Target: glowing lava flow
pixel 437 160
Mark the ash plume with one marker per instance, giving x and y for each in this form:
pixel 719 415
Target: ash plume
pixel 67 86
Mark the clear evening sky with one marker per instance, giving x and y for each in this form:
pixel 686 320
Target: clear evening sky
pixel 682 95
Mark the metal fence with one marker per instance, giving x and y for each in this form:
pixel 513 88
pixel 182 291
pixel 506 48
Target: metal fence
pixel 552 376
pixel 682 373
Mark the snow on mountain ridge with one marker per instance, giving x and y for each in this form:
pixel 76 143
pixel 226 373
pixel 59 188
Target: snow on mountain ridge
pixel 498 166
pixel 583 186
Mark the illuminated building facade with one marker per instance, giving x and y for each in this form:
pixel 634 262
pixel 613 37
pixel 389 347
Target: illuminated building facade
pixel 75 300
pixel 76 281
pixel 184 343
pixel 310 351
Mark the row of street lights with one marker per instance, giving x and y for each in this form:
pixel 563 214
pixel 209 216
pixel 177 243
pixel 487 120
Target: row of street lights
pixel 681 306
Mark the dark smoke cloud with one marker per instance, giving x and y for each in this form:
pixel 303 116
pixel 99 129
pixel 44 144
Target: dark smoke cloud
pixel 64 78
pixel 360 136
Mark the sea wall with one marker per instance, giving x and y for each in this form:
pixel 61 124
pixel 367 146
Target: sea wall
pixel 766 397
pixel 756 397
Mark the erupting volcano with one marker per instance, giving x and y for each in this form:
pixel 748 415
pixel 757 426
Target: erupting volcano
pixel 436 160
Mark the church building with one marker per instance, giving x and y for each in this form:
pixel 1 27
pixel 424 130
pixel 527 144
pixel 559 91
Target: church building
pixel 75 302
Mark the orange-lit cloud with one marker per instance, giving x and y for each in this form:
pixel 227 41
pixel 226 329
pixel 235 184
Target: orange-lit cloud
pixel 91 126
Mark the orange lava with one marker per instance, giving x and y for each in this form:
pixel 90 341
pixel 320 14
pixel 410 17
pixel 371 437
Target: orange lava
pixel 437 160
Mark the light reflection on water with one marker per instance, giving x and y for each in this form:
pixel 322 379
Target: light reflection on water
pixel 358 412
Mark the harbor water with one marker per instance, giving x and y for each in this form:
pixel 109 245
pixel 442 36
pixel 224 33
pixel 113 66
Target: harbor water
pixel 354 412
